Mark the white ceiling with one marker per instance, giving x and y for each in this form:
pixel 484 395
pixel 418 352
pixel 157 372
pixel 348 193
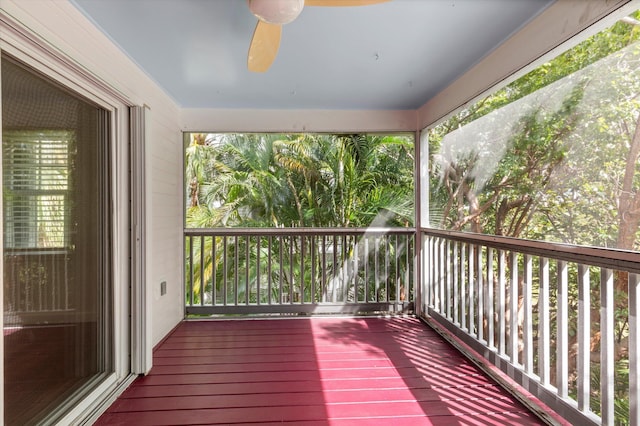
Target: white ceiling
pixel 394 55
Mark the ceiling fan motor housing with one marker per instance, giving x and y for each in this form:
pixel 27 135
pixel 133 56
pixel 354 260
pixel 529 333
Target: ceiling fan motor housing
pixel 276 11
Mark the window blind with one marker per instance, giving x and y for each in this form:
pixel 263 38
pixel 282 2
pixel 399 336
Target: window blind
pixel 36 177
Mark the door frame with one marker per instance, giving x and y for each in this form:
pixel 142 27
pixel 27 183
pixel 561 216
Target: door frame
pixel 131 354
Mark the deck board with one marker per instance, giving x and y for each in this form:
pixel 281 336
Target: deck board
pixel 318 371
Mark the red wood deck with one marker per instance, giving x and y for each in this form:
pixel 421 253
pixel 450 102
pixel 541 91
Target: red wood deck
pixel 320 371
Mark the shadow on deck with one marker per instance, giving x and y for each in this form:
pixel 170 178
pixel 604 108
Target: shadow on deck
pixel 318 371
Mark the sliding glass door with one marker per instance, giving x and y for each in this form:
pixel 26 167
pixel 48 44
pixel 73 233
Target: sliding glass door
pixel 58 344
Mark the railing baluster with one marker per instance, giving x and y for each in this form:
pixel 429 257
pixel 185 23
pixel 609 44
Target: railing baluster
pixel 490 300
pixel 281 269
pixel 425 280
pixel 634 349
pixel 402 283
pixel 49 291
pixel 344 281
pixel 269 269
pixel 562 350
pixel 408 265
pixel 463 286
pixel 480 294
pixel 356 268
pixel 544 352
pixel 411 292
pixel 40 298
pixel 366 268
pixel 442 275
pixel 456 265
pixel 435 275
pixel 430 271
pixel 247 282
pixel 584 337
pixel 313 286
pixel 527 308
pixel 202 280
pixel 235 272
pixel 334 279
pixel 472 299
pixel 67 281
pixel 214 270
pixel 224 272
pixel 307 293
pixel 324 268
pixel 386 268
pixel 302 282
pixel 339 271
pixel 513 297
pixel 396 272
pixel 355 264
pixel 502 303
pixel 448 274
pixel 291 280
pixel 258 270
pixel 191 273
pixel 607 360
pixel 376 258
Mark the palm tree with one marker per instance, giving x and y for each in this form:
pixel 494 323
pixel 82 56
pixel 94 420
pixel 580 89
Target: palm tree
pixel 267 180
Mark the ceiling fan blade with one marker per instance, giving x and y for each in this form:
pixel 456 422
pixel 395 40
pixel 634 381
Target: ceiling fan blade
pixel 264 46
pixel 334 3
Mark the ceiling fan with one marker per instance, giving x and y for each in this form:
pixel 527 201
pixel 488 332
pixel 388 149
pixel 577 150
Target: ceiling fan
pixel 272 15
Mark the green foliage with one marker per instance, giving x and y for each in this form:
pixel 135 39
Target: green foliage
pixel 265 180
pixel 545 157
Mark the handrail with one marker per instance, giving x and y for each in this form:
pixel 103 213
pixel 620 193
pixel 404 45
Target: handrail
pixel 298 231
pixel 596 256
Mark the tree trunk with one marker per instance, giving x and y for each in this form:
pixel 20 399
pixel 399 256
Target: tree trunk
pixel 628 222
pixel 629 201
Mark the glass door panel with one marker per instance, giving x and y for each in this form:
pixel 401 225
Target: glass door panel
pixel 57 343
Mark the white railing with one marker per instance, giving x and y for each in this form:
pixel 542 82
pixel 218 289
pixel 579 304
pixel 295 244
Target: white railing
pixel 36 282
pixel 299 270
pixel 560 320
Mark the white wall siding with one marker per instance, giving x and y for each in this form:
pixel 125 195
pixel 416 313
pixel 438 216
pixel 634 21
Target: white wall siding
pixel 165 229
